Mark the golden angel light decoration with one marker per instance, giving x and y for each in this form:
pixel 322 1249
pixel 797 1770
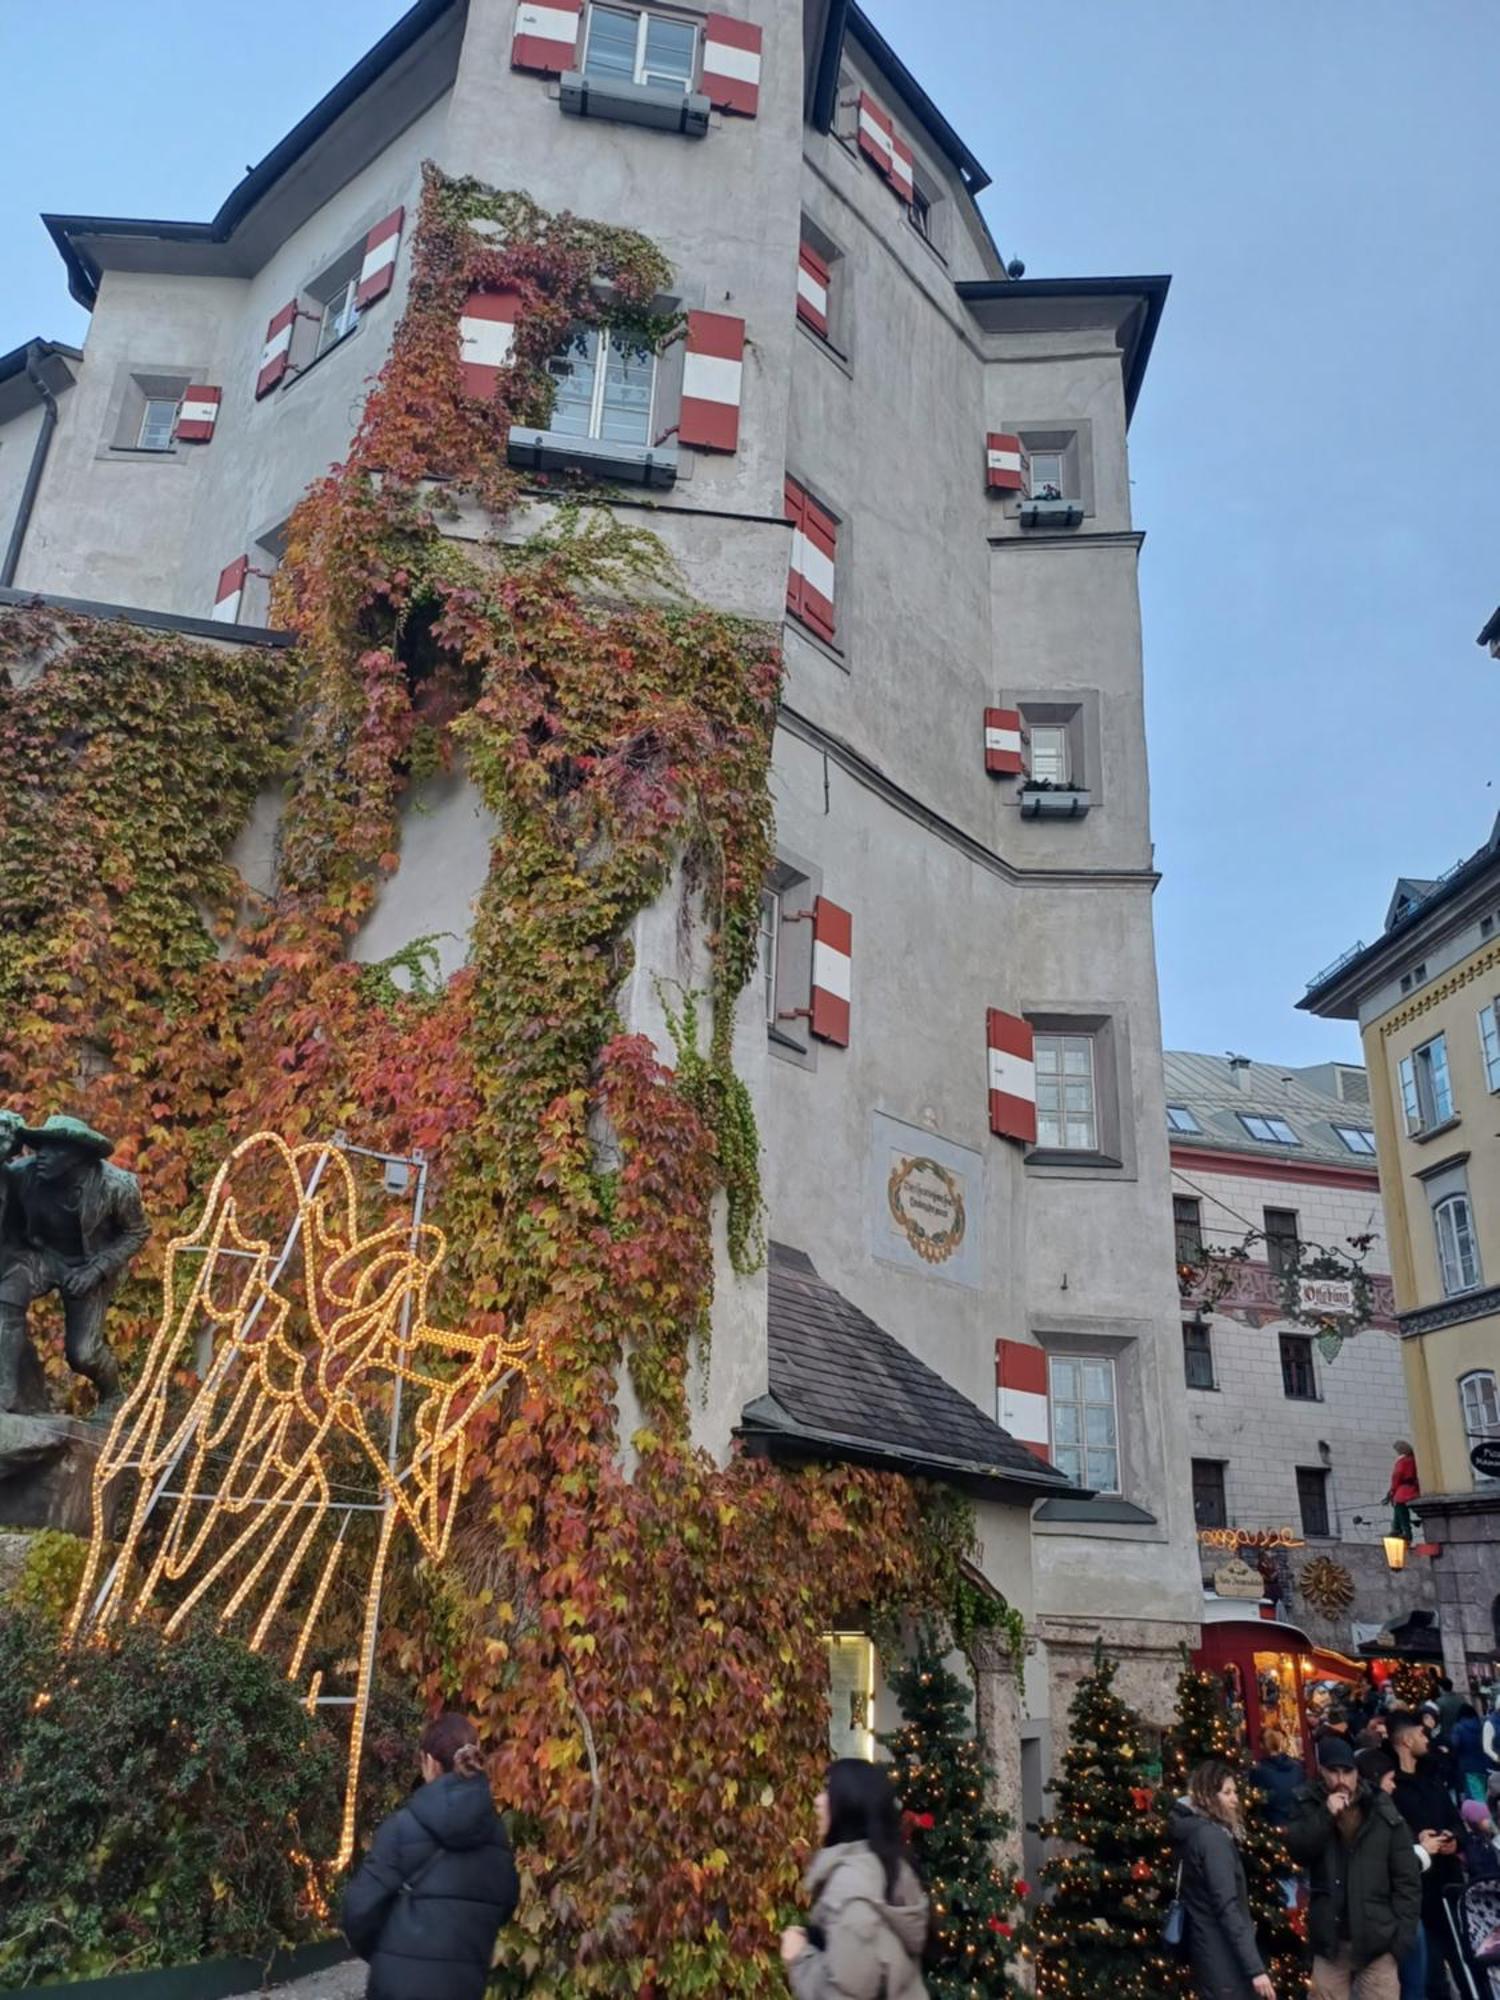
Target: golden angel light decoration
pixel 263 1463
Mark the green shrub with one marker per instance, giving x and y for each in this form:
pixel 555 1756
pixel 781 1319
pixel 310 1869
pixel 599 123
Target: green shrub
pixel 155 1799
pixel 50 1575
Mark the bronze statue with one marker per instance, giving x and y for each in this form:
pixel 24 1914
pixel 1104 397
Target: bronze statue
pixel 70 1224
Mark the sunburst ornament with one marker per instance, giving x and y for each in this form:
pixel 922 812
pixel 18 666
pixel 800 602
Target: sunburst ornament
pixel 267 1427
pixel 1327 1586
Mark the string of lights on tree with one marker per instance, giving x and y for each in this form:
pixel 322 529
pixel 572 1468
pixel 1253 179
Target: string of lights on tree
pixel 943 1782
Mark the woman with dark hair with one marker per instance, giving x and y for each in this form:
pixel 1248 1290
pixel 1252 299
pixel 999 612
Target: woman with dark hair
pixel 430 1897
pixel 1220 1941
pixel 868 1924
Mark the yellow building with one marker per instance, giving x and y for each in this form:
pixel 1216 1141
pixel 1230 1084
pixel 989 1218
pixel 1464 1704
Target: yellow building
pixel 1426 996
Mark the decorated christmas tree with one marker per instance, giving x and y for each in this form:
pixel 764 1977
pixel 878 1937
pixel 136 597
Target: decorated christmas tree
pixel 1203 1730
pixel 1097 1936
pixel 942 1780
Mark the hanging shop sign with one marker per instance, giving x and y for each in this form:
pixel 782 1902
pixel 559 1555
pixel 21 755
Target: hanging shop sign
pixel 1239 1579
pixel 1485 1458
pixel 1326 1295
pixel 1250 1538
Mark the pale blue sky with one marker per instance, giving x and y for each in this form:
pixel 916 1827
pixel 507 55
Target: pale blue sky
pixel 1313 453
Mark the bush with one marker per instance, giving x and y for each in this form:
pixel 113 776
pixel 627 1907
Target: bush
pixel 158 1800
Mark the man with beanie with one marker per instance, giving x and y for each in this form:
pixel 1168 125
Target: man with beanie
pixel 1427 1807
pixel 1366 1885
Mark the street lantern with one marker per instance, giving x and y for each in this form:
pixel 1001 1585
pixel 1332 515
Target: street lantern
pixel 1395 1551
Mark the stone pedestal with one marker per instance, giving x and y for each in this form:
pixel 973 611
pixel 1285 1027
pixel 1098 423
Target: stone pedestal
pixel 1467 1575
pixel 997 1723
pixel 47 1472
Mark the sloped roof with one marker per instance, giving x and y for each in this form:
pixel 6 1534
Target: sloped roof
pixel 842 1387
pixel 1206 1086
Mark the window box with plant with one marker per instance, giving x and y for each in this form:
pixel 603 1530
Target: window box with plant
pixel 1046 798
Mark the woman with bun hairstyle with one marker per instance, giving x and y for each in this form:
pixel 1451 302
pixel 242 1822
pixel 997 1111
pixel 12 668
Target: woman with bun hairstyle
pixel 431 1895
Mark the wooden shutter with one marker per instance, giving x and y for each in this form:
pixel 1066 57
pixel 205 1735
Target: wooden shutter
pixel 1007 469
pixel 276 354
pixel 229 590
pixel 379 267
pixel 877 138
pixel 1003 753
pixel 731 65
pixel 1022 1404
pixel 486 335
pixel 813 569
pixel 1012 1076
pixel 546 36
pixel 832 971
pixel 197 414
pixel 712 376
pixel 812 289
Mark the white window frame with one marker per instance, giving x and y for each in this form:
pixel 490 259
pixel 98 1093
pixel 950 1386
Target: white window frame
pixel 644 15
pixel 1478 1424
pixel 1051 739
pixel 1451 1229
pixel 1422 1104
pixel 1270 1137
pixel 1061 481
pixel 1061 1144
pixel 174 404
pixel 1489 1043
pixel 1083 1406
pixel 341 315
pixel 769 955
pixel 1348 1134
pixel 1176 1111
pixel 604 340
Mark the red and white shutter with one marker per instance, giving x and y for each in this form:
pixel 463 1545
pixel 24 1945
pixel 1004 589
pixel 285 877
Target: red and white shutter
pixel 1003 753
pixel 197 414
pixel 379 268
pixel 229 590
pixel 1012 1061
pixel 712 376
pixel 546 36
pixel 1022 1406
pixel 731 65
pixel 877 138
pixel 486 335
pixel 810 577
pixel 812 290
pixel 832 971
pixel 276 355
pixel 1007 469
pixel 903 174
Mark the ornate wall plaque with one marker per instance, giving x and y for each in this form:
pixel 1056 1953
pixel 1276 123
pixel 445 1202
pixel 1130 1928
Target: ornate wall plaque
pixel 926 1202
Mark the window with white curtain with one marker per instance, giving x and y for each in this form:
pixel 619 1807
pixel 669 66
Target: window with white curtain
pixel 1458 1254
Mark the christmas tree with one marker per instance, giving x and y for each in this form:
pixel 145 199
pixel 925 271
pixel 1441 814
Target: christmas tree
pixel 1203 1730
pixel 1097 1937
pixel 943 1783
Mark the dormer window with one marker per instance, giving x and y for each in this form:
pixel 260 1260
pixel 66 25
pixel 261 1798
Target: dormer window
pixel 1269 1131
pixel 1180 1119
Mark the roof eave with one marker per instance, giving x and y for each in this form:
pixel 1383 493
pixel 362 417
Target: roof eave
pixel 848 15
pixel 1151 290
pixel 766 1422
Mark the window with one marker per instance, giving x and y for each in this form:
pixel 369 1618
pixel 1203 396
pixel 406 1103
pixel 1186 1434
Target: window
pixel 1210 1505
pixel 1066 1113
pixel 1299 1379
pixel 770 938
pixel 1085 1438
pixel 1197 1354
pixel 604 389
pixel 1180 1119
pixel 1458 1255
pixel 1270 1131
pixel 1187 1224
pixel 629 47
pixel 1480 1402
pixel 1048 761
pixel 1357 1138
pixel 1426 1093
pixel 822 303
pixel 1283 1243
pixel 812 572
pixel 1489 1043
pixel 1413 978
pixel 1312 1500
pixel 158 421
pixel 1047 475
pixel 340 315
pixel 920 211
pixel 851 1695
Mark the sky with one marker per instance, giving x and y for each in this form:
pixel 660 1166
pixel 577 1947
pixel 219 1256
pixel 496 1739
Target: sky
pixel 1313 455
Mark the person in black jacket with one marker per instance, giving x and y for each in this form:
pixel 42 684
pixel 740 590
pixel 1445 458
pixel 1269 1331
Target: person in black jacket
pixel 1424 1801
pixel 438 1882
pixel 1366 1884
pixel 1220 1940
pixel 1279 1775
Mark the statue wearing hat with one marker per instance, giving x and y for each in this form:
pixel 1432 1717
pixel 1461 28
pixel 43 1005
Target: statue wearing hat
pixel 69 1223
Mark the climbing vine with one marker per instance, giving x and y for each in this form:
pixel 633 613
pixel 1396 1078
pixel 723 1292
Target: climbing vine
pixel 637 1630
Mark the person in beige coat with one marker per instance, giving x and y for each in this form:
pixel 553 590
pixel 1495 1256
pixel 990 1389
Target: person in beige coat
pixel 868 1923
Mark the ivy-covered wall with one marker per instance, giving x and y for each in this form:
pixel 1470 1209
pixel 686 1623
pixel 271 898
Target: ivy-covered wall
pixel 643 1653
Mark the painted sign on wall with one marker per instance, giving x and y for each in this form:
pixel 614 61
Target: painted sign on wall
pixel 926 1201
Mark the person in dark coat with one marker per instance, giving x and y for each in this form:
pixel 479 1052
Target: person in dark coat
pixel 1278 1775
pixel 1366 1883
pixel 1220 1937
pixel 1426 1803
pixel 438 1882
pixel 1465 1740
